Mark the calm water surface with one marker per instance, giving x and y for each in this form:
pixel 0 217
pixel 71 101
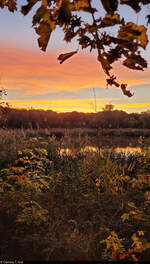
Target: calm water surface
pixel 126 145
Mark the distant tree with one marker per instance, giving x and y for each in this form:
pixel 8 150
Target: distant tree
pixel 4 108
pixel 32 118
pixel 134 120
pixel 145 119
pixel 108 107
pixel 125 45
pixel 118 118
pixel 104 119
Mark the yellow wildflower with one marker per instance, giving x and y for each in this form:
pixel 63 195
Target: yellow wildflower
pixel 115 246
pixel 141 233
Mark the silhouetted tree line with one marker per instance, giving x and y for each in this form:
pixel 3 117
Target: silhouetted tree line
pixel 32 118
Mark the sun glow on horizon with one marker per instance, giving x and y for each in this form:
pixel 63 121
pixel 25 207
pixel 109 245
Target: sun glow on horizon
pixel 79 105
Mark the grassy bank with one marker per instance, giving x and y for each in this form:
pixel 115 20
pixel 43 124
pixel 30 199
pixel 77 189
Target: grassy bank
pixel 61 132
pixel 85 206
pixel 125 132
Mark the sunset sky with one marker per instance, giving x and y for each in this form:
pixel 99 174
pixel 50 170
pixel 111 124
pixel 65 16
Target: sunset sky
pixel 33 78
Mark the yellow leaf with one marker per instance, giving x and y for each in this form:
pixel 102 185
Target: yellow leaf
pixel 110 20
pixel 131 204
pixel 131 32
pixel 80 5
pixel 44 3
pixel 143 37
pixel 125 217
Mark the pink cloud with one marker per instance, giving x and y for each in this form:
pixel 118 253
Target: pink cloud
pixel 39 73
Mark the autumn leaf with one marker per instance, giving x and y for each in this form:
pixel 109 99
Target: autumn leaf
pixel 134 4
pixel 2 3
pixel 110 20
pixel 65 56
pixel 142 38
pixel 124 217
pixel 114 54
pixel 132 32
pixel 80 5
pixel 105 64
pixel 125 91
pixel 64 13
pixel 148 19
pixel 38 15
pixel 26 8
pixel 12 5
pixel 135 62
pixel 110 6
pixel 112 81
pixel 44 31
pixel 131 204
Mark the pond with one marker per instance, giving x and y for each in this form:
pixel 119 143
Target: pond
pixel 88 149
pixel 126 145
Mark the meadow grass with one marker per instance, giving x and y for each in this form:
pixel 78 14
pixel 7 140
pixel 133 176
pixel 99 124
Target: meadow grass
pixel 72 206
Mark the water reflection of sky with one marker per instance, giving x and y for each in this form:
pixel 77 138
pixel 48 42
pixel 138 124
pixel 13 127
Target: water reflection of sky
pixel 90 149
pixel 128 150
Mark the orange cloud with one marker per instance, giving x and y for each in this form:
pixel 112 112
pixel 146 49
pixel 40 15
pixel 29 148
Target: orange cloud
pixel 132 77
pixel 36 73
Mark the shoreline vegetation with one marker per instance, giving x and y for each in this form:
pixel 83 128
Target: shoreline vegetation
pixel 134 132
pixel 90 206
pixel 91 132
